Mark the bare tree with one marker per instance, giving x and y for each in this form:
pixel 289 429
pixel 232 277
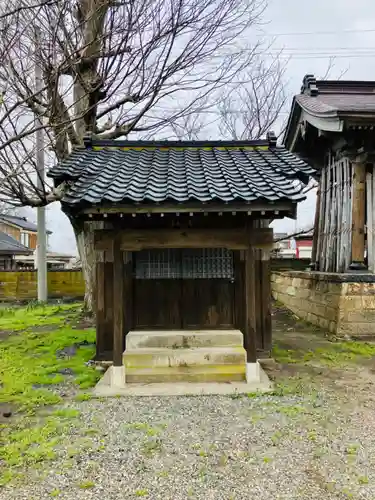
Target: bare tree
pixel 252 107
pixel 110 68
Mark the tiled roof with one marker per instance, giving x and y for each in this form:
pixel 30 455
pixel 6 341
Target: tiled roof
pixel 154 172
pixel 329 98
pixel 9 245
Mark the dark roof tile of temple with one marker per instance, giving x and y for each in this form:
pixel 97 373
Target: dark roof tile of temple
pixel 181 171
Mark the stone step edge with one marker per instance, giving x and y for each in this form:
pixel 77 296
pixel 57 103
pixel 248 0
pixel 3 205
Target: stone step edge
pixel 193 369
pixel 160 350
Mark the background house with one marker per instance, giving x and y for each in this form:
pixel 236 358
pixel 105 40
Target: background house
pixel 9 249
pixel 20 229
pixel 20 240
pixel 297 247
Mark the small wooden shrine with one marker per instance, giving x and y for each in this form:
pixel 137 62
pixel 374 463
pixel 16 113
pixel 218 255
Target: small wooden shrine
pixel 186 244
pixel 331 125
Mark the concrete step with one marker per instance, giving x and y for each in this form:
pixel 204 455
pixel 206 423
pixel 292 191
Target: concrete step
pixel 142 358
pixel 197 374
pixel 183 339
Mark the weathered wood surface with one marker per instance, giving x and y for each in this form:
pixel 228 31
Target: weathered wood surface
pixel 314 251
pixel 104 312
pixel 183 304
pixel 118 303
pixel 250 305
pixel 333 226
pixel 198 208
pixel 135 240
pixel 266 302
pixel 358 216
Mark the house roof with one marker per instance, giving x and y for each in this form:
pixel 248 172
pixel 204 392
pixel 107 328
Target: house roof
pixel 327 104
pixel 21 222
pixel 11 246
pixel 177 171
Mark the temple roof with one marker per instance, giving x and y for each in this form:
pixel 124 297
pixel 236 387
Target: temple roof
pixel 331 106
pixel 181 171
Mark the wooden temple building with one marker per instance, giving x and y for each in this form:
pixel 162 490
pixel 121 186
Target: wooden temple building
pixel 332 126
pixel 184 247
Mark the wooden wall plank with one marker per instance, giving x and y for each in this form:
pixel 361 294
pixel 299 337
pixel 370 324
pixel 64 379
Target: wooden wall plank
pixel 135 240
pixel 239 290
pixel 358 217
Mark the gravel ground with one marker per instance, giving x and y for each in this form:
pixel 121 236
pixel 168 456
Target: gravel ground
pixel 268 447
pixel 315 441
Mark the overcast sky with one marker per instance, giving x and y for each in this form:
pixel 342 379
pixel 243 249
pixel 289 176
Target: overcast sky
pixel 310 34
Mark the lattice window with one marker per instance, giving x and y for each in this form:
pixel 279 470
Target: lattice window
pixel 207 263
pixel 157 264
pixel 189 264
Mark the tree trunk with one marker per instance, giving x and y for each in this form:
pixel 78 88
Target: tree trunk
pixel 84 233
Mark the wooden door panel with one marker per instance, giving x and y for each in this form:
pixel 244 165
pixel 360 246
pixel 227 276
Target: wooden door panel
pixel 207 303
pixel 157 304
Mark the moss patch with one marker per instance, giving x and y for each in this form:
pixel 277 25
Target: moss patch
pixel 33 362
pixel 331 353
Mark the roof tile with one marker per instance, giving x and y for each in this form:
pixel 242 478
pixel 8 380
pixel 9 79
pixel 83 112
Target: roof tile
pixel 158 174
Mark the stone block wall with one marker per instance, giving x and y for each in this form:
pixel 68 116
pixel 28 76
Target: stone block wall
pixel 343 304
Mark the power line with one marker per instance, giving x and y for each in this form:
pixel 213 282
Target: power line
pixel 319 49
pixel 336 32
pixel 322 56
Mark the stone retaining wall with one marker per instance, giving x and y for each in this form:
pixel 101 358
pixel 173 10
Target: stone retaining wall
pixel 343 304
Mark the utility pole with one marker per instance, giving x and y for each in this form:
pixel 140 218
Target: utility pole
pixel 41 249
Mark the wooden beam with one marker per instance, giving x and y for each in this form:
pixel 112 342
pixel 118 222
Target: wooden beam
pixel 192 207
pixel 233 239
pixel 250 312
pixel 118 302
pixel 358 217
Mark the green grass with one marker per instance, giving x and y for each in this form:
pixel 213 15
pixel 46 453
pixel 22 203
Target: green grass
pixel 31 364
pixel 85 485
pixel 331 354
pixel 36 315
pixel 141 493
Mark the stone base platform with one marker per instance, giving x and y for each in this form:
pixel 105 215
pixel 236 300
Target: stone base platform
pixel 184 362
pixel 107 388
pixel 343 304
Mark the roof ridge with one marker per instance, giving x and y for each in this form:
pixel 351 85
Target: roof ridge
pixel 90 142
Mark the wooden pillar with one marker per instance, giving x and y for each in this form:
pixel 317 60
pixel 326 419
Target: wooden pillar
pixel 239 289
pixel 266 302
pixel 250 312
pixel 100 306
pixel 358 216
pixel 314 264
pixel 118 303
pixel 128 295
